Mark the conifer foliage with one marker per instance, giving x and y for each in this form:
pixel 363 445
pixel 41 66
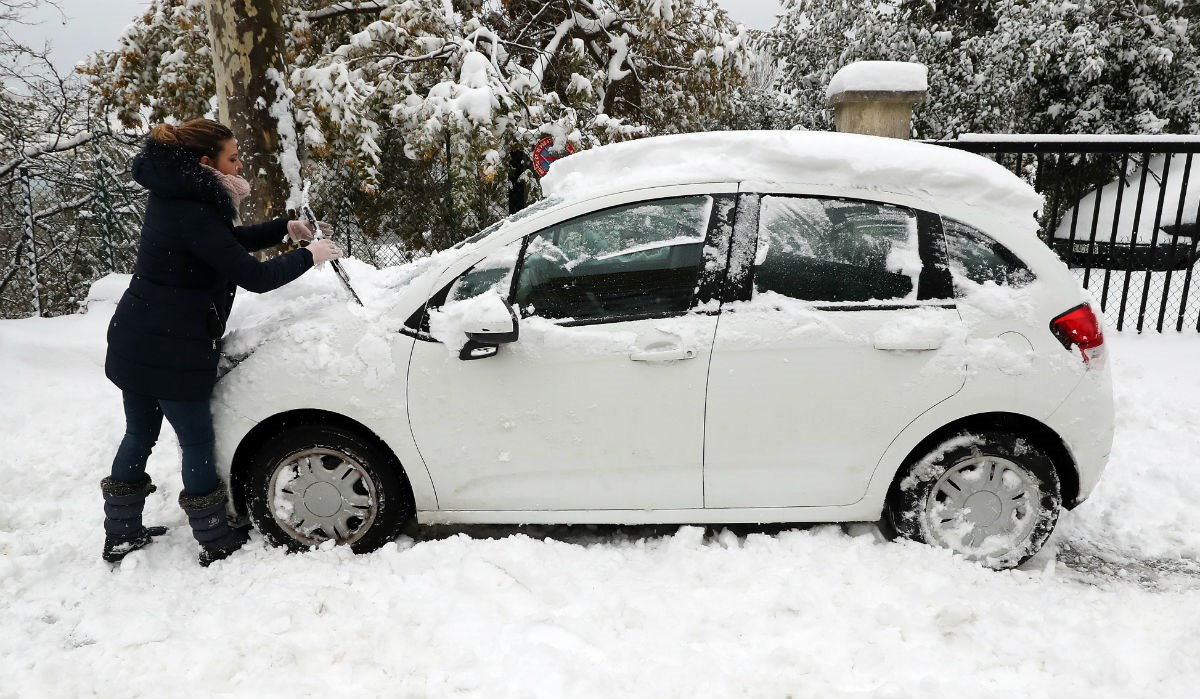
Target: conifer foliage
pixel 1007 66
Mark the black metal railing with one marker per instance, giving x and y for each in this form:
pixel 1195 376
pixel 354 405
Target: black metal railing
pixel 1121 211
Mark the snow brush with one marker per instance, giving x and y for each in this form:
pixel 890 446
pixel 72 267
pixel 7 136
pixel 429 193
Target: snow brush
pixel 307 212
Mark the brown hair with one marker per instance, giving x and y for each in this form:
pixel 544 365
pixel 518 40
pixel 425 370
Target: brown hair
pixel 204 137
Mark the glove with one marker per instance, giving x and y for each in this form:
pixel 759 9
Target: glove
pixel 302 230
pixel 322 251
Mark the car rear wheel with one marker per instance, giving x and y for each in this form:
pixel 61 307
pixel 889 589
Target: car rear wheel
pixel 992 497
pixel 314 483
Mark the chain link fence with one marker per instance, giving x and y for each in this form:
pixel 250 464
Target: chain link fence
pixel 66 219
pixel 70 217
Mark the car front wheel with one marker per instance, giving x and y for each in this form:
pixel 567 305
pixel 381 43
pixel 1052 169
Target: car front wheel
pixel 992 497
pixel 314 483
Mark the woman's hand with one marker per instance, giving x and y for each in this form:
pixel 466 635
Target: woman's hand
pixel 302 230
pixel 322 251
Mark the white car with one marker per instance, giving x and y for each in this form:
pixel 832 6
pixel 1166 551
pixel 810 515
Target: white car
pixel 737 327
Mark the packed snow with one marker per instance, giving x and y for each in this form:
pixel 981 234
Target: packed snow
pixel 1109 608
pixel 890 76
pixel 1143 214
pixel 799 157
pixel 282 112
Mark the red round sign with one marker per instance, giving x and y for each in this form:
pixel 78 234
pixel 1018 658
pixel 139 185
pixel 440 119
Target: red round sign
pixel 544 153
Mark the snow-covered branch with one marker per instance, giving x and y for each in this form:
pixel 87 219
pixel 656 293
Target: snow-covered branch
pixel 538 71
pixel 57 145
pixel 388 59
pixel 65 206
pixel 344 8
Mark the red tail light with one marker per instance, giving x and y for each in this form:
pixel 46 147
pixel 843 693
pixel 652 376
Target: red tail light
pixel 1078 327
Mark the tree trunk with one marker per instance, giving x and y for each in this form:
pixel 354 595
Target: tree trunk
pixel 247 52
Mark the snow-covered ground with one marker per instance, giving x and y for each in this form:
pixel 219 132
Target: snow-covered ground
pixel 1110 608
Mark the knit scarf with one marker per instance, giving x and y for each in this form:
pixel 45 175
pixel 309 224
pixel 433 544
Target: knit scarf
pixel 236 185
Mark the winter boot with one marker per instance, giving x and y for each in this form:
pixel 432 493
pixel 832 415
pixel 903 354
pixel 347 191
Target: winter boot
pixel 123 530
pixel 210 526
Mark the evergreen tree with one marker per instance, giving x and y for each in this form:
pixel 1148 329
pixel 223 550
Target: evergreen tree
pixel 1007 66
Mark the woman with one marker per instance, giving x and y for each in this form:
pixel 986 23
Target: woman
pixel 163 341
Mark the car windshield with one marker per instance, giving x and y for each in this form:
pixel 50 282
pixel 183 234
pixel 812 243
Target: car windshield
pixel 547 203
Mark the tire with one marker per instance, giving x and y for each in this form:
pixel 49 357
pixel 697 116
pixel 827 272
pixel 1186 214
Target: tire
pixel 312 483
pixel 992 497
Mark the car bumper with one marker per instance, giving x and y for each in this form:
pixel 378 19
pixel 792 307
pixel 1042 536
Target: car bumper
pixel 1085 421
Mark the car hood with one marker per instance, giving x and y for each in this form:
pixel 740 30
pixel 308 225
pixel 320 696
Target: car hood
pixel 316 307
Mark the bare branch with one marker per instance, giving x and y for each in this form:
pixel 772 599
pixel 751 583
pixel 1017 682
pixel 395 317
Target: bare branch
pixel 14 265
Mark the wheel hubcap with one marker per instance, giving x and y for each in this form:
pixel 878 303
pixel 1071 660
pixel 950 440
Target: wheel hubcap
pixel 983 506
pixel 322 499
pixel 321 494
pixel 983 509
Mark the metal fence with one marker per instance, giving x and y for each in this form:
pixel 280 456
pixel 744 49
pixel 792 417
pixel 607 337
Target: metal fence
pixel 66 218
pixel 1122 212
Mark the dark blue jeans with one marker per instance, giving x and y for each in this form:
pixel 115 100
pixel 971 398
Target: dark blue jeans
pixel 192 422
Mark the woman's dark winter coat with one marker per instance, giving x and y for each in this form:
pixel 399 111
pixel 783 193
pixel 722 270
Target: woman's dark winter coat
pixel 163 339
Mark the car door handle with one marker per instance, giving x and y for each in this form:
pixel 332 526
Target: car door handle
pixel 662 355
pixel 908 344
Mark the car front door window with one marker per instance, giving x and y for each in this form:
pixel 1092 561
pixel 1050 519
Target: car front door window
pixel 633 261
pixel 494 272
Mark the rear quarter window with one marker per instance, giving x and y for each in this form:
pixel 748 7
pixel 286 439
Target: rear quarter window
pixel 977 258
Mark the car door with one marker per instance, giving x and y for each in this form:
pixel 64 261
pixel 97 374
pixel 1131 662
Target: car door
pixel 836 332
pixel 600 402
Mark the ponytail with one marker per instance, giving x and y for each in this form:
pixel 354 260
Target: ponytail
pixel 203 137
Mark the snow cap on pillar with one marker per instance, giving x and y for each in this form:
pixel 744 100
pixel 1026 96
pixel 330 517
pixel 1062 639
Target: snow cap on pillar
pixel 877 97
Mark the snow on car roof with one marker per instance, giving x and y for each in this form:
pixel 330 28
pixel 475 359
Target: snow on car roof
pixel 799 157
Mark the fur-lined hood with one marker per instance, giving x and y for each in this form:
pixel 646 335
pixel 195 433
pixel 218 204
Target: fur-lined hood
pixel 173 172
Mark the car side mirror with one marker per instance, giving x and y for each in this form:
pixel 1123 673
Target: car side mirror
pixel 488 323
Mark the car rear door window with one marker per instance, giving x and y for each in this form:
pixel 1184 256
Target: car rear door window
pixel 837 250
pixel 635 260
pixel 977 258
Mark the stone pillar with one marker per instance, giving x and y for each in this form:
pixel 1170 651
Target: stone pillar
pixel 877 97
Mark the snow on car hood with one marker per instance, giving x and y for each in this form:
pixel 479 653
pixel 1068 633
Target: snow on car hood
pixel 317 300
pixel 821 158
pixel 315 307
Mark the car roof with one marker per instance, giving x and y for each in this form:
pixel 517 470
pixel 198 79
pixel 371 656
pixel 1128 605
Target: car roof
pixel 858 163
